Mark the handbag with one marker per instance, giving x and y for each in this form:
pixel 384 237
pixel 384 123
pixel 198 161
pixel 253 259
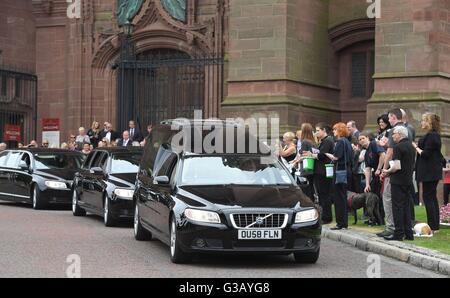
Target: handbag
pixel 341 175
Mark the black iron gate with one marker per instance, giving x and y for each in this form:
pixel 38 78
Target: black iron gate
pixel 18 106
pixel 165 84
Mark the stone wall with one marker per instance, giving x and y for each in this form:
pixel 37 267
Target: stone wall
pixel 412 41
pixel 17 38
pixel 342 11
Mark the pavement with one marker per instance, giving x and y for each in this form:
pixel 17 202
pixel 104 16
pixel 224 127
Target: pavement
pixel 404 252
pixel 38 244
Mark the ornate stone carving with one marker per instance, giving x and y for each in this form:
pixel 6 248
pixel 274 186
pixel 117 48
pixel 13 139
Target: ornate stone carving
pixel 176 8
pixel 127 10
pixel 154 26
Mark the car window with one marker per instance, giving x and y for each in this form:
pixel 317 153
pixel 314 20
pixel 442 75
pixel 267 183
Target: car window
pixel 13 160
pixel 161 158
pixel 46 161
pixel 103 162
pixel 88 160
pixel 167 166
pixel 98 158
pixel 125 162
pixel 3 158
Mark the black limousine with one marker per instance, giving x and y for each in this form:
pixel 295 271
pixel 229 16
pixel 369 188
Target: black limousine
pixel 105 184
pixel 198 202
pixel 38 176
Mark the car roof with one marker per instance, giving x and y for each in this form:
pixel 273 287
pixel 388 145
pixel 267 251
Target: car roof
pixel 164 134
pixel 114 150
pixel 45 150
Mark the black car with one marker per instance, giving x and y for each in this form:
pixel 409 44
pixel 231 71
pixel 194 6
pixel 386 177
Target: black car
pixel 38 176
pixel 221 202
pixel 105 184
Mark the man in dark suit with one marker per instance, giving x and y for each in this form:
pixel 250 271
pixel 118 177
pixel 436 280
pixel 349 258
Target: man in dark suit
pixel 109 133
pixel 126 140
pixel 135 132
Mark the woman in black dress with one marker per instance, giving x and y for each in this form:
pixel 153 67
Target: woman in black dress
pixel 429 166
pixel 342 157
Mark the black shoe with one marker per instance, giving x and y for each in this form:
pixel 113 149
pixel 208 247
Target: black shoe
pixel 384 234
pixel 337 228
pixel 393 238
pixel 409 238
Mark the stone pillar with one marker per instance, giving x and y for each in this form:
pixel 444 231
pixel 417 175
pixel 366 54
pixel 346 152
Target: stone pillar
pixel 412 65
pixel 278 62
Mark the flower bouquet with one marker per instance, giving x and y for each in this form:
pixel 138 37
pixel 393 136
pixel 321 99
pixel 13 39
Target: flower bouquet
pixel 445 215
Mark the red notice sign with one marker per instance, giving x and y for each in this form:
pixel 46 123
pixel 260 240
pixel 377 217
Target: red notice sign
pixel 12 133
pixel 50 124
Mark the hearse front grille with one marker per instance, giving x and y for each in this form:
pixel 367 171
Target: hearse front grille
pixel 259 220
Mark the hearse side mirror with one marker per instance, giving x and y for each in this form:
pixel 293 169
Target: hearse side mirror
pixel 97 171
pixel 161 180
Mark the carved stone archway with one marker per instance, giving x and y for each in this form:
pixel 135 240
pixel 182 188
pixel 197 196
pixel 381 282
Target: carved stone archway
pixel 154 28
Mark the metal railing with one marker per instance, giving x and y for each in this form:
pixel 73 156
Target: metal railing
pixel 18 105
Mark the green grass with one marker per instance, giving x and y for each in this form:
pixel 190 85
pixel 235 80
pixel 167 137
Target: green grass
pixel 439 242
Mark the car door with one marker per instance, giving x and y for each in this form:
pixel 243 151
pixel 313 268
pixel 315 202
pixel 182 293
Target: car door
pixel 12 165
pixel 91 183
pixel 24 177
pixel 165 201
pixel 163 193
pixel 4 176
pixel 149 193
pixel 80 178
pixel 88 182
pixel 99 182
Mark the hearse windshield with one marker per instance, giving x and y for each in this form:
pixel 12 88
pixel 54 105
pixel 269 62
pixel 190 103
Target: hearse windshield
pixel 234 170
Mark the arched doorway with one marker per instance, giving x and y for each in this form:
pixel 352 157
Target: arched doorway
pixel 354 46
pixel 161 84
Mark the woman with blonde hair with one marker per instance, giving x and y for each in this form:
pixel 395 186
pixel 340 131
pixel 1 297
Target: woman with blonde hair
pixel 104 143
pixel 94 133
pixel 342 158
pixel 429 166
pixel 289 149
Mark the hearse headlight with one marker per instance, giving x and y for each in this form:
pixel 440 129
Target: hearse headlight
pixel 202 216
pixel 124 193
pixel 306 216
pixel 56 184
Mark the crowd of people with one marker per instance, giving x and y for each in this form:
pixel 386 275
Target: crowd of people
pixel 388 163
pixel 96 137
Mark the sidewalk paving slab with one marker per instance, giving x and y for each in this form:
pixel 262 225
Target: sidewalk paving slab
pixel 405 252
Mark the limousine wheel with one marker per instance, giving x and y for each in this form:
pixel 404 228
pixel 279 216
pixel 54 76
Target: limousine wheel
pixel 37 201
pixel 140 233
pixel 177 256
pixel 107 216
pixel 307 258
pixel 77 210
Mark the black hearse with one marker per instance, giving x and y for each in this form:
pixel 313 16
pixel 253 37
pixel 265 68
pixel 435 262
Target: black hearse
pixel 209 202
pixel 105 184
pixel 38 176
